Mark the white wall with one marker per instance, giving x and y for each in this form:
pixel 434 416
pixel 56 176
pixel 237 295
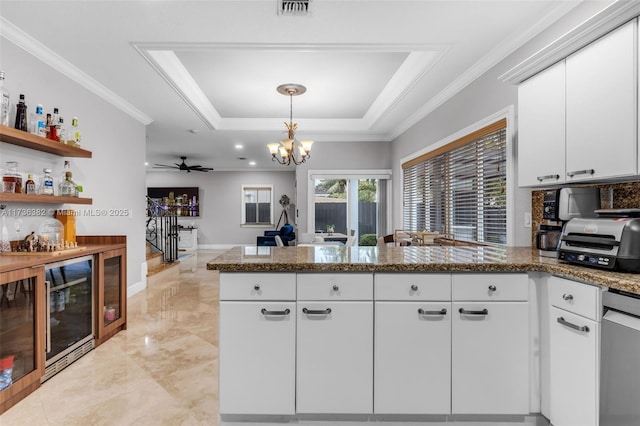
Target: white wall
pixel 221 202
pixel 484 97
pixel 114 177
pixel 338 156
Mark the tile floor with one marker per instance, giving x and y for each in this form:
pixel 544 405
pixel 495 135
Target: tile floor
pixel 163 370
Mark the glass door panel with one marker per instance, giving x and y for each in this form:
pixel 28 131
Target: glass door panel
pixel 112 289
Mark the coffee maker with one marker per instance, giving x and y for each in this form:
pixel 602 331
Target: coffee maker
pixel 560 205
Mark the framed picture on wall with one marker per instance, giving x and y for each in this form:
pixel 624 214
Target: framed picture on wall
pixel 183 201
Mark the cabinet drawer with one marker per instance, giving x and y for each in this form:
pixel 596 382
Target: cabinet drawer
pixel 257 286
pixel 335 286
pixel 500 287
pixel 581 299
pixel 399 286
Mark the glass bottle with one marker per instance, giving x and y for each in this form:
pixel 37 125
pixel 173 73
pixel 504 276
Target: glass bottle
pixel 38 124
pixel 47 182
pixel 12 175
pixel 4 102
pixel 73 135
pixel 30 185
pixel 67 188
pixel 21 115
pixel 62 131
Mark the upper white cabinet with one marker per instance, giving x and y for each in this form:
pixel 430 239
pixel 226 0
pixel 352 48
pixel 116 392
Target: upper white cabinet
pixel 578 119
pixel 541 128
pixel 601 109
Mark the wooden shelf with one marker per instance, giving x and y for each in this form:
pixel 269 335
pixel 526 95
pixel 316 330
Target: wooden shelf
pixel 45 199
pixel 38 143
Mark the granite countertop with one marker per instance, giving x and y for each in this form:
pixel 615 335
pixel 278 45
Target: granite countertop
pixel 413 259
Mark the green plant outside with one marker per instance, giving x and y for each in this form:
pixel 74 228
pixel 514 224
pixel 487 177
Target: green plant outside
pixel 368 240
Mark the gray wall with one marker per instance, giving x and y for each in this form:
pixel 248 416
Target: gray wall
pixel 482 98
pixel 351 156
pixel 221 201
pixel 114 177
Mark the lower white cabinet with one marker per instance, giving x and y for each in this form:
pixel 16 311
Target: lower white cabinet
pixel 490 358
pixel 335 357
pixel 574 361
pixel 257 357
pixel 257 341
pixel 412 358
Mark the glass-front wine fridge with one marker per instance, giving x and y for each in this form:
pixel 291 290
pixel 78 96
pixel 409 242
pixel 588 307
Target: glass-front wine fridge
pixel 69 330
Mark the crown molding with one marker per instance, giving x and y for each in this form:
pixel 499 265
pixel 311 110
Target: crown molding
pixel 590 30
pixel 494 57
pixel 32 46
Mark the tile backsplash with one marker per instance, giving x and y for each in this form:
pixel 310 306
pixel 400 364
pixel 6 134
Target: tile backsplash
pixel 612 196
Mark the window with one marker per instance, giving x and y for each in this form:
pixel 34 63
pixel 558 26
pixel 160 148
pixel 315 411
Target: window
pixel 257 205
pixel 460 188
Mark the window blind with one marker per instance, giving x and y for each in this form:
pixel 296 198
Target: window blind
pixel 460 188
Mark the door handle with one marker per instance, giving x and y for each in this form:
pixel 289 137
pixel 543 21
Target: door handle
pixel 466 312
pixel 581 172
pixel 424 313
pixel 564 322
pixel 546 177
pixel 47 285
pixel 316 312
pixel 265 312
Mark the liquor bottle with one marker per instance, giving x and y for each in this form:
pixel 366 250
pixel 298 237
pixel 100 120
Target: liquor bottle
pixel 30 185
pixel 12 175
pixel 67 186
pixel 73 135
pixel 38 123
pixel 47 182
pixel 62 130
pixel 21 115
pixel 4 102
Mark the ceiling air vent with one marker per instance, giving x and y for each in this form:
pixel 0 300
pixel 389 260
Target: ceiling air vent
pixel 293 7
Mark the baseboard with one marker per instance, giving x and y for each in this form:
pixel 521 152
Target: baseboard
pixel 140 285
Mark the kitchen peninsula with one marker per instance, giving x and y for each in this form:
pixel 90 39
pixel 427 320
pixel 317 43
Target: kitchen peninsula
pixel 421 331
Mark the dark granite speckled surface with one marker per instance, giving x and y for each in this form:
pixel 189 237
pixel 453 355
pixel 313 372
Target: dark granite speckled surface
pixel 413 259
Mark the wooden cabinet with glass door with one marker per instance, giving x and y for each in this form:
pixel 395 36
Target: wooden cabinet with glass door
pixel 21 334
pixel 111 294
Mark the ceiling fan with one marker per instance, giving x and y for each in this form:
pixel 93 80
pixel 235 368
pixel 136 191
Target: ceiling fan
pixel 183 166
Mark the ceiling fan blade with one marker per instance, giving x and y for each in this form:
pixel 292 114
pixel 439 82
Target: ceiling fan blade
pixel 195 167
pixel 163 165
pixel 202 169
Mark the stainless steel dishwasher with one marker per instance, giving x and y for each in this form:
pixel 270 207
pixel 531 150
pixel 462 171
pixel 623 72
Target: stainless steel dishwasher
pixel 620 359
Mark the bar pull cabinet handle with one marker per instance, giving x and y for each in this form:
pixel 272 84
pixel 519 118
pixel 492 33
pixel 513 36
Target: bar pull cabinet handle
pixel 414 287
pixel 316 311
pixel 567 297
pixel 275 313
pixel 335 287
pixel 492 287
pixel 563 321
pixel 47 285
pixel 424 313
pixel 546 177
pixel 466 312
pixel 256 287
pixel 581 172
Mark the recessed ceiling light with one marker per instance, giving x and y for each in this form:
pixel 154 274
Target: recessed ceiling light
pixel 193 131
pixel 146 163
pixel 242 158
pixel 238 146
pixel 252 163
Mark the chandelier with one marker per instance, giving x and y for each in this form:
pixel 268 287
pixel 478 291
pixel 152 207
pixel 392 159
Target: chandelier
pixel 284 152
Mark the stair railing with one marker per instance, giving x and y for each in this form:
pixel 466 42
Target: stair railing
pixel 162 230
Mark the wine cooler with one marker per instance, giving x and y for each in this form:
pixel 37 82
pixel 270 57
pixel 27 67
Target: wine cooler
pixel 69 317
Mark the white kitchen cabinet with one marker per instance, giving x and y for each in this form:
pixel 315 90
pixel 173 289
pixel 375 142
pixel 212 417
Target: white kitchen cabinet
pixel 335 357
pixel 601 110
pixel 574 365
pixel 412 358
pixel 257 344
pixel 573 369
pixel 412 353
pixel 541 128
pixel 334 343
pixel 490 344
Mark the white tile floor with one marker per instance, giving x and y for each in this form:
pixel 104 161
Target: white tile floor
pixel 163 370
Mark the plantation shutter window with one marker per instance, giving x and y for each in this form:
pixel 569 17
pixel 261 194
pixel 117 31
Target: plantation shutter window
pixel 460 188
